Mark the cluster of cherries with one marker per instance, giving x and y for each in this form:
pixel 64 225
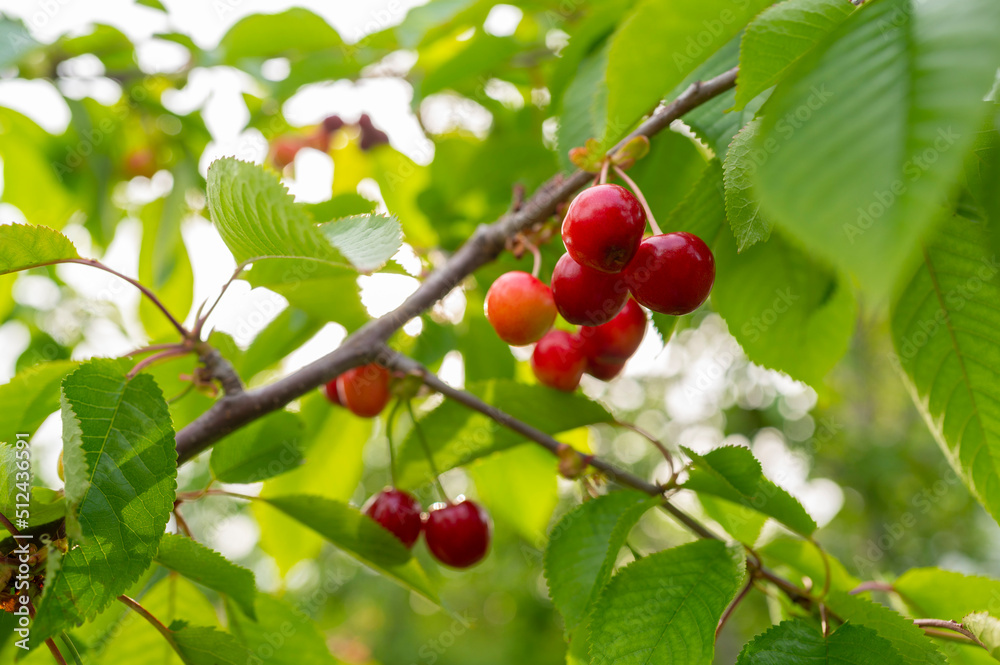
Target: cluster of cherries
pixel 606 260
pixel 457 532
pixel 284 148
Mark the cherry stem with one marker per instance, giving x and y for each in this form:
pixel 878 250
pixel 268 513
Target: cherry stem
pixel 182 525
pixel 145 614
pixel 642 200
pixel 427 451
pixel 751 578
pixel 7 524
pixel 536 268
pixel 389 424
pixel 826 567
pixel 656 442
pixel 157 357
pixel 202 318
pixel 55 651
pixel 604 170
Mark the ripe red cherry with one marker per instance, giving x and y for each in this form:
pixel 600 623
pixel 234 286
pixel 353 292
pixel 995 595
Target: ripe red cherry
pixel 284 149
pixel 520 308
pixel 603 228
pixel 605 370
pixel 330 390
pixel 364 390
pixel 558 361
pixel 586 296
pixel 671 273
pixel 458 534
pixel 141 161
pixel 398 512
pixel 616 340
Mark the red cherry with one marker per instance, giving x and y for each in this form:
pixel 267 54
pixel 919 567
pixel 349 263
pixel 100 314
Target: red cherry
pixel 605 371
pixel 142 162
pixel 330 390
pixel 458 534
pixel 332 123
pixel 364 390
pixel 284 149
pixel 558 361
pixel 586 296
pixel 603 228
pixel 671 273
pixel 398 512
pixel 616 340
pixel 520 308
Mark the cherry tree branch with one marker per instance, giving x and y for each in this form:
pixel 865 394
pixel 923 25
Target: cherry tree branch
pixel 236 410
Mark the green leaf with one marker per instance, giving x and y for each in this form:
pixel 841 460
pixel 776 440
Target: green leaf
pixel 257 217
pixel 23 246
pixel 789 311
pixel 368 241
pixel 800 643
pixel 120 467
pixel 920 71
pixel 457 435
pixel 665 607
pixel 804 559
pixel 334 440
pixel 779 37
pixel 325 292
pixel 289 33
pixel 286 332
pixel 986 628
pixel 942 594
pixel 358 535
pixel 673 153
pixel 584 106
pixel 268 447
pixel 703 210
pixel 732 473
pixel 748 223
pixel 520 486
pixel 305 644
pixel 678 36
pixel 742 523
pixel 944 328
pixel 16 41
pixel 199 645
pixel 31 397
pixel 912 644
pixel 583 548
pixel 208 568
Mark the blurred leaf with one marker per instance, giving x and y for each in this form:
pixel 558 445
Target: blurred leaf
pixel 15 41
pixel 358 535
pixel 265 448
pixel 742 523
pixel 789 311
pixel 936 593
pixel 944 332
pixel 583 548
pixel 732 473
pixel 304 643
pixel 198 645
pixel 31 397
pixel 681 594
pixel 911 642
pixel 458 435
pixel 152 4
pixel 803 558
pixel 121 470
pixel 293 32
pixel 109 44
pixel 679 35
pixel 779 37
pixel 584 108
pixel 986 629
pixel 286 332
pixel 920 71
pixel 453 62
pixel 324 292
pixel 484 355
pixel 23 246
pixel 798 642
pixel 519 486
pixel 208 568
pixel 672 168
pixel 334 440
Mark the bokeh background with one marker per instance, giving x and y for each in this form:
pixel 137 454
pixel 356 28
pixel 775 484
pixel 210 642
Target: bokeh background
pixel 854 451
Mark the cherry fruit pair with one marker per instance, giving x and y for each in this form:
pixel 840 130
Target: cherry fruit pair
pixel 457 534
pixel 606 258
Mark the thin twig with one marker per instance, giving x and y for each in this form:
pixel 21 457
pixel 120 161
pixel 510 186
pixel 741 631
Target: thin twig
pixel 7 524
pixel 427 451
pixel 872 586
pixel 55 651
pixel 653 440
pixel 175 352
pixel 751 578
pixel 952 626
pixel 642 199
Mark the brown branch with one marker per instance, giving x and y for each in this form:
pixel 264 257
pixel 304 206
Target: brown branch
pixel 488 241
pixel 942 624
